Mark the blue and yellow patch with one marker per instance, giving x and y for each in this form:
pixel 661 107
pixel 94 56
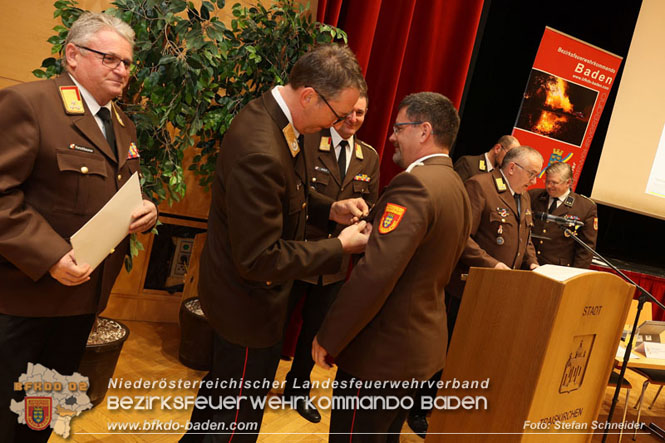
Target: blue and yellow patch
pixel 391 218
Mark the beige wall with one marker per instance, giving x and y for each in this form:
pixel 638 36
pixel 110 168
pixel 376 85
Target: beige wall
pixel 25 27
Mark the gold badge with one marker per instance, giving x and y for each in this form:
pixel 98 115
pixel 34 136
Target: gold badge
pixel 500 185
pixel 291 139
pixel 117 116
pixel 481 165
pixel 71 98
pixel 325 144
pixel 359 151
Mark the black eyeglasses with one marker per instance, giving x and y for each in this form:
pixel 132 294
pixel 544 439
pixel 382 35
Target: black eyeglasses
pixel 398 126
pixel 109 60
pixel 532 174
pixel 339 118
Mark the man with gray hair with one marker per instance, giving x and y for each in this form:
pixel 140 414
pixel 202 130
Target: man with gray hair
pixel 469 165
pixel 552 244
pixel 65 150
pixel 502 220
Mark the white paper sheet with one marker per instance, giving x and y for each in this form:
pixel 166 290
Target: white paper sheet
pixel 103 232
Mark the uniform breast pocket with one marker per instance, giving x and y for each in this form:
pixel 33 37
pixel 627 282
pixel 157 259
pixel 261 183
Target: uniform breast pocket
pixel 499 219
pixel 360 188
pixel 81 183
pixel 320 180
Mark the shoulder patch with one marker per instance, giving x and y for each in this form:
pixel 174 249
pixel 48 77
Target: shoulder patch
pixel 500 184
pixel 481 165
pixel 324 145
pixel 72 100
pixel 291 139
pixel 570 200
pixel 391 218
pixel 359 151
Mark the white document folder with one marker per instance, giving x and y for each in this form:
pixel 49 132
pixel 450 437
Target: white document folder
pixel 103 232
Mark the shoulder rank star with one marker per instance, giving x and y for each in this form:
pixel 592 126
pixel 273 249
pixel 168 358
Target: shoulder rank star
pixel 71 99
pixel 133 151
pixel 391 218
pixel 362 178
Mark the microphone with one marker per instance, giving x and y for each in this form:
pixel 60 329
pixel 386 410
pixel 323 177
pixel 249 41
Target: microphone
pixel 570 222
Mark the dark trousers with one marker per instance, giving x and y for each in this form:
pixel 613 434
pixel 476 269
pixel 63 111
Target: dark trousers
pixel 452 309
pixel 231 365
pixel 318 299
pixel 57 343
pixel 357 423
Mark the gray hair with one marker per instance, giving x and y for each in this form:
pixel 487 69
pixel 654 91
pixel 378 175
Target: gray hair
pixel 520 153
pixel 561 168
pixel 90 23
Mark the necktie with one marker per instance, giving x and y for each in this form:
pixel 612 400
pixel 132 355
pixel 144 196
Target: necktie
pixel 341 160
pixel 518 202
pixel 553 205
pixel 105 115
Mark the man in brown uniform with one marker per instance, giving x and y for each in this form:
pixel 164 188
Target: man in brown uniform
pixel 554 247
pixel 340 166
pixel 500 235
pixel 389 321
pixel 61 160
pixel 469 165
pixel 256 228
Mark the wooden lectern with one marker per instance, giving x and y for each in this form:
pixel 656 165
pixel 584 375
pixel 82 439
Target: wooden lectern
pixel 531 354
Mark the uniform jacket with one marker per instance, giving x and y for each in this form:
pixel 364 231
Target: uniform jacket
pixel 256 229
pixel 361 180
pixel 497 234
pixel 561 250
pixel 56 171
pixel 469 165
pixel 389 320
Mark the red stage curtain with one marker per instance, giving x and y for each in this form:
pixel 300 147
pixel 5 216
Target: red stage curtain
pixel 651 283
pixel 405 46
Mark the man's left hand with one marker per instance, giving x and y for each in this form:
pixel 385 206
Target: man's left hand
pixel 348 211
pixel 144 217
pixel 319 355
pixel 533 266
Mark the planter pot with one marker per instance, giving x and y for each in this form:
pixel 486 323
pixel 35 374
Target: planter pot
pixel 101 356
pixel 196 336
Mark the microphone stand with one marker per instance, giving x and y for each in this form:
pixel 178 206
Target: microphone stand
pixel 644 295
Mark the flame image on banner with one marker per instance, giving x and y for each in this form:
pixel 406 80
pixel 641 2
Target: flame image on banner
pixel 556 108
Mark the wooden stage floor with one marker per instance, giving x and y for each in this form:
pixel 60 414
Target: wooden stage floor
pixel 151 353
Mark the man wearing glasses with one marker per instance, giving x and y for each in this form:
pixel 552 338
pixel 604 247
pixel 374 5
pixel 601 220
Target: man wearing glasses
pixel 65 150
pixel 388 322
pixel 553 246
pixel 502 220
pixel 469 165
pixel 340 166
pixel 255 246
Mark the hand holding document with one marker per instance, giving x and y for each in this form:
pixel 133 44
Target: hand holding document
pixel 103 232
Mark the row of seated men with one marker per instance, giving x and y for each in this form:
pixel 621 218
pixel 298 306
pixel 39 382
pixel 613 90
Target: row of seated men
pixel 504 233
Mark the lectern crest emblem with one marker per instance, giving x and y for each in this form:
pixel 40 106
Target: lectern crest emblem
pixel 578 360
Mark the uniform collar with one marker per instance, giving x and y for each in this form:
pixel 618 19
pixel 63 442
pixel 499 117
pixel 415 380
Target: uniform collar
pixel 89 99
pixel 488 163
pixel 507 182
pixel 282 105
pixel 336 138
